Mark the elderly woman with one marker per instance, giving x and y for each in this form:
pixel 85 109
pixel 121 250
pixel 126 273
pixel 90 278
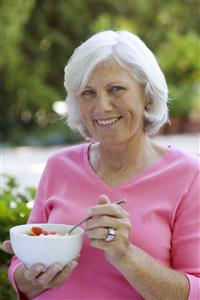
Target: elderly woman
pixel 149 248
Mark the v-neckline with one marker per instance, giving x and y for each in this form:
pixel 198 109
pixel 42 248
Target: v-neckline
pixel 131 180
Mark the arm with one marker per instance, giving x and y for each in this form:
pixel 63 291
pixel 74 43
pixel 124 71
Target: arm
pixel 181 282
pixel 30 282
pixel 36 216
pixel 149 277
pixel 186 238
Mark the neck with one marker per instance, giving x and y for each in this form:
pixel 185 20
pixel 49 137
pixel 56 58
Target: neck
pixel 120 157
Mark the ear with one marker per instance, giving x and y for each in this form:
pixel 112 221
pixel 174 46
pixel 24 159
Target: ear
pixel 147 106
pixel 147 102
pixel 103 199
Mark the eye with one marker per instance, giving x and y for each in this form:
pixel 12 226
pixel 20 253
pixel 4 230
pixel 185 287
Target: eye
pixel 88 93
pixel 116 88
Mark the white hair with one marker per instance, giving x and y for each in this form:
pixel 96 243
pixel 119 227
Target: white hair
pixel 129 51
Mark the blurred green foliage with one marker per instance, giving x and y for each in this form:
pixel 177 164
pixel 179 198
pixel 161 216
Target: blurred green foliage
pixel 38 37
pixel 14 206
pixel 14 210
pixel 6 291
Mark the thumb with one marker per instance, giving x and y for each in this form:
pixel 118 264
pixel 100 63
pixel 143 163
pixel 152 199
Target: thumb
pixel 7 247
pixel 103 199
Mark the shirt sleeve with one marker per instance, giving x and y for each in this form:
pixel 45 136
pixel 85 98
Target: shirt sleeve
pixel 186 238
pixel 37 215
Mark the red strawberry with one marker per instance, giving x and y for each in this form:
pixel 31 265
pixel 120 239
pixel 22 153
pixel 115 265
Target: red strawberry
pixel 35 230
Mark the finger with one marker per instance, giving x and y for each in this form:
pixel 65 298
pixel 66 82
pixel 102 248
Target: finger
pixel 103 199
pixel 101 221
pixel 105 209
pixel 98 233
pixel 121 239
pixel 34 271
pixel 45 278
pixel 101 244
pixel 7 247
pixel 111 209
pixel 61 276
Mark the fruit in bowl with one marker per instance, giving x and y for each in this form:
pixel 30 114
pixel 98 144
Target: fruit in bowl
pixel 46 243
pixel 36 231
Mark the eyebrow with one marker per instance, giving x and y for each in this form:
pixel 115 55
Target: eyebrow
pixel 87 87
pixel 109 84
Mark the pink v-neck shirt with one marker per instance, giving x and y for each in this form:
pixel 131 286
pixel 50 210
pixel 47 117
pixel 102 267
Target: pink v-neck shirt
pixel 164 207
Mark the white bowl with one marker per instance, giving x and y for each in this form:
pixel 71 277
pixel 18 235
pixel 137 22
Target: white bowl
pixel 46 249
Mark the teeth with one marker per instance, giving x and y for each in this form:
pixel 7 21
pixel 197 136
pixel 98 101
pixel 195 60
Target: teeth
pixel 108 121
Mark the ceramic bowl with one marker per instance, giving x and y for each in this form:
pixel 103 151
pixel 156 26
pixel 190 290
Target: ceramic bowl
pixel 46 249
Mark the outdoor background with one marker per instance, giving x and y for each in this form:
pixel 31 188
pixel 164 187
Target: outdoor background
pixel 37 38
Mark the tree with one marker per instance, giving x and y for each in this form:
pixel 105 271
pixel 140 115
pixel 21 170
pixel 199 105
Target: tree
pixel 39 36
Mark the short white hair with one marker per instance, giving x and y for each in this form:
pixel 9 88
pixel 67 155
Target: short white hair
pixel 130 52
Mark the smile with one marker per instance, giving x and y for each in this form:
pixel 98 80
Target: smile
pixel 108 121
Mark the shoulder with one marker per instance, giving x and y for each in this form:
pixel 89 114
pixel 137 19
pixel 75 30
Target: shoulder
pixel 184 158
pixel 66 155
pixel 185 163
pixel 63 165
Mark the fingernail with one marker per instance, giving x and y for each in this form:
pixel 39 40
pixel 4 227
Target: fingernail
pixel 73 264
pixel 57 268
pixel 88 213
pixel 77 258
pixel 39 268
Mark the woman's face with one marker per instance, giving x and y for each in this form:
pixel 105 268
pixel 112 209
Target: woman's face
pixel 112 105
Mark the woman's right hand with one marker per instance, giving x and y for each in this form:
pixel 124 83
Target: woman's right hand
pixel 33 281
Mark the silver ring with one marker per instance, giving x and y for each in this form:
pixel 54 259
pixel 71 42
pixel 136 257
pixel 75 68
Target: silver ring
pixel 111 235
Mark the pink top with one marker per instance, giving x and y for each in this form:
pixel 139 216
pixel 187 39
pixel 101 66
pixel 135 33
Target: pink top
pixel 164 208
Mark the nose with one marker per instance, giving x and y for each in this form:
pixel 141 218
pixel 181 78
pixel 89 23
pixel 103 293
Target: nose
pixel 103 103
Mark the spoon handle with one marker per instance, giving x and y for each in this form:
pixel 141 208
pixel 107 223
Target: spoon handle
pixel 120 202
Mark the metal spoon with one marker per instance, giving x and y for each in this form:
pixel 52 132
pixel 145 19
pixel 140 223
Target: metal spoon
pixel 86 219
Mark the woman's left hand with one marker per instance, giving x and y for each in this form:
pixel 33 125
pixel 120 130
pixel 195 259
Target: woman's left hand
pixel 106 215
